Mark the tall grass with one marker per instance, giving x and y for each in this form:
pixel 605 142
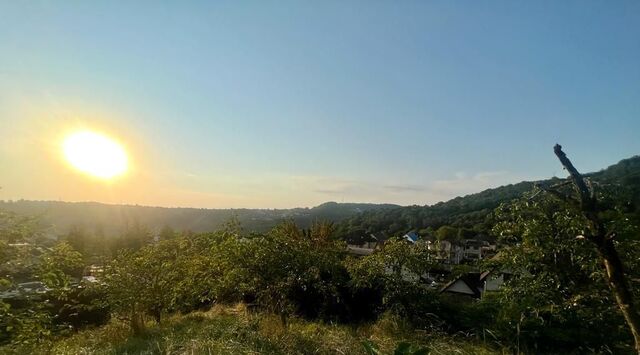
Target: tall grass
pixel 233 330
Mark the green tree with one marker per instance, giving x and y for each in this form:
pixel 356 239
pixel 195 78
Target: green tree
pixel 447 233
pixel 291 270
pixel 557 296
pixel 15 228
pixel 134 237
pixel 78 238
pixel 20 326
pixel 141 283
pixel 60 265
pixel 210 270
pixel 167 233
pixel 397 272
pixel 601 234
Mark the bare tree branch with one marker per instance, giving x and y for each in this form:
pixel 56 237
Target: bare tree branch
pixel 603 241
pixel 578 181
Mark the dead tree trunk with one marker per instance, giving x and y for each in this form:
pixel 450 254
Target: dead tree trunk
pixel 604 243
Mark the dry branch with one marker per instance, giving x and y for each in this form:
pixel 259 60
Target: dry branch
pixel 603 240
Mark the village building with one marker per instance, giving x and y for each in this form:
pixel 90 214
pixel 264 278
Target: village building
pixel 475 284
pixel 373 242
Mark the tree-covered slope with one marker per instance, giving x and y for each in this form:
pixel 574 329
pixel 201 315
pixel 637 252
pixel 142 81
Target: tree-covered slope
pixel 355 219
pixel 111 220
pixel 472 211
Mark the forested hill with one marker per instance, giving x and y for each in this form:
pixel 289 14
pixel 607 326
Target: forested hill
pixel 355 219
pixel 111 220
pixel 471 212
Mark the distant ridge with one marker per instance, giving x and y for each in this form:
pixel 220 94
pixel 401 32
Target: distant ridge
pixel 355 219
pixel 111 219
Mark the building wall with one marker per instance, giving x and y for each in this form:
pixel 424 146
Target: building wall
pixel 493 282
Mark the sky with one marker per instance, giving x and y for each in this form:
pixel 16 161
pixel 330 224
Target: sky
pixel 277 104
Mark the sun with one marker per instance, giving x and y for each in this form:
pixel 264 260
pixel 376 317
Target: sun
pixel 95 154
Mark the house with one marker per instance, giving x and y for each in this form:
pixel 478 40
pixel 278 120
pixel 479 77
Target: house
pixel 90 279
pixel 489 250
pixel 412 237
pixel 32 287
pixel 475 284
pixel 373 242
pixel 24 290
pixel 486 245
pixel 446 252
pixel 469 284
pixel 359 250
pixel 93 271
pixel 472 249
pixel 475 249
pixel 453 253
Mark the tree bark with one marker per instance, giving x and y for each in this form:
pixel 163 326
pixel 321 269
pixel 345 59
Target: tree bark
pixel 615 275
pixel 618 284
pixel 137 323
pixel 157 315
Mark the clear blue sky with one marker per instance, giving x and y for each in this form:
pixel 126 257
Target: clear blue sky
pixel 281 104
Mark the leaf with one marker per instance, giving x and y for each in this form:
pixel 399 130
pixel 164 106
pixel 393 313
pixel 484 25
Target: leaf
pixel 402 349
pixel 370 347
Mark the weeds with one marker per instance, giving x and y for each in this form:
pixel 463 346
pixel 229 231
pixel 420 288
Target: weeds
pixel 233 330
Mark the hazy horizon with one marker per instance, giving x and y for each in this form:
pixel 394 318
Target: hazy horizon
pixel 247 105
pixel 285 207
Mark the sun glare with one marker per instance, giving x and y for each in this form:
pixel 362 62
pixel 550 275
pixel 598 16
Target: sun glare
pixel 95 154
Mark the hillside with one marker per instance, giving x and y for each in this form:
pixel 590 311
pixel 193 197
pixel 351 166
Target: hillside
pixel 355 219
pixel 472 211
pixel 112 219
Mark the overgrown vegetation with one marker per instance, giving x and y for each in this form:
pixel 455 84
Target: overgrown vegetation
pixel 301 292
pixel 233 330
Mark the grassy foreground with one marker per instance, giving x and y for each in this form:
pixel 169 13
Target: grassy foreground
pixel 234 331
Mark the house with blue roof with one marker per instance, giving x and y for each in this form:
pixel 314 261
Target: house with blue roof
pixel 411 237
